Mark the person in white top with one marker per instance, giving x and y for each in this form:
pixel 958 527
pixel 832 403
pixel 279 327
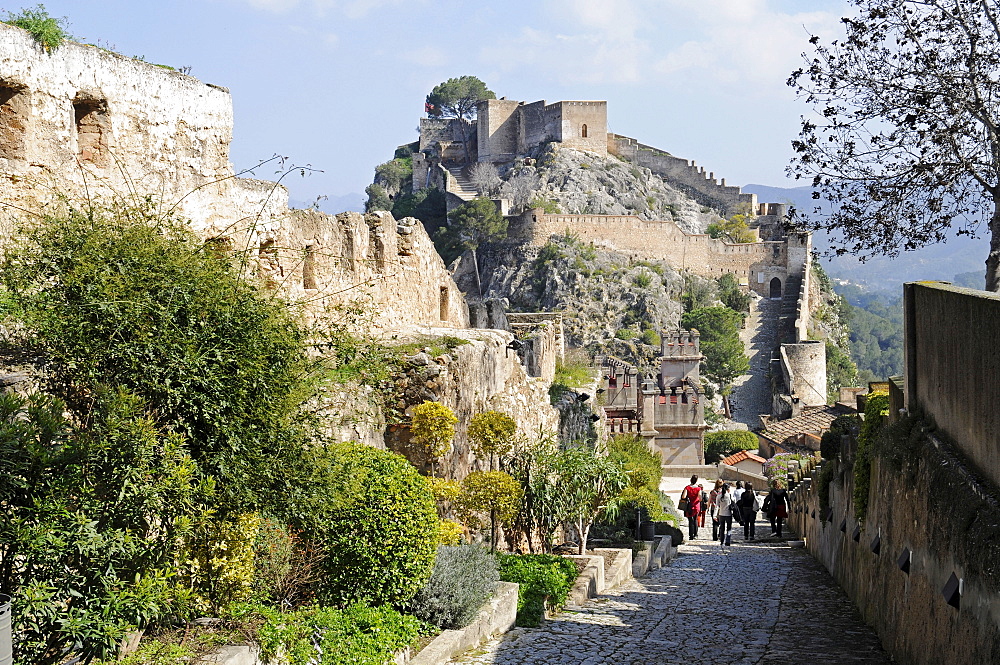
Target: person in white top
pixel 724 509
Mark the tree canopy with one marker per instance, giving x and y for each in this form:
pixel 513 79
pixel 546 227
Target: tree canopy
pixel 725 358
pixel 457 98
pixel 905 138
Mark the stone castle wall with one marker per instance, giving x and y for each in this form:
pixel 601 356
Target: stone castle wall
pixel 699 183
pixel 754 263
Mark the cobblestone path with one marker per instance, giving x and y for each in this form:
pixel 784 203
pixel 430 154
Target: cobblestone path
pixel 752 604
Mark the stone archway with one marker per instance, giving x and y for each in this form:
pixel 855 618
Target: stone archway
pixel 775 290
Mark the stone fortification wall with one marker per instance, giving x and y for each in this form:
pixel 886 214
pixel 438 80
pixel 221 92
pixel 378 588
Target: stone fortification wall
pixel 389 267
pixel 445 137
pixel 756 263
pixel 81 120
pixel 952 365
pixel 584 125
pixel 499 129
pixel 700 183
pixel 897 565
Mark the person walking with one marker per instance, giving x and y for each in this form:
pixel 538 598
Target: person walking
pixel 691 500
pixel 737 492
pixel 777 506
pixel 724 503
pixel 713 509
pixel 749 506
pixel 704 505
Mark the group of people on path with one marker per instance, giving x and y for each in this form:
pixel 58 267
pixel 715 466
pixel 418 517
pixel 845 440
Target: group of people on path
pixel 723 505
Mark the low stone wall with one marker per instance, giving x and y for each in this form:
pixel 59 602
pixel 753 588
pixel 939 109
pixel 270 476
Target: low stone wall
pixel 496 617
pixel 703 471
pixel 910 556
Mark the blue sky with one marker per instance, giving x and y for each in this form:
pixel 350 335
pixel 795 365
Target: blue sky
pixel 339 83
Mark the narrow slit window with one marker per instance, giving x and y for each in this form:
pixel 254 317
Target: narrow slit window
pixel 309 269
pixel 583 131
pixel 444 303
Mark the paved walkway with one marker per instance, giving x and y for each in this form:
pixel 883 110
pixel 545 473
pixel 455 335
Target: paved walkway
pixel 758 603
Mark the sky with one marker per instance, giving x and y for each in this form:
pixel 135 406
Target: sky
pixel 338 84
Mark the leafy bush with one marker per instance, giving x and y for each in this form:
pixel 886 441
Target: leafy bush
pixel 544 579
pixel 495 493
pixel 450 532
pixel 356 635
pixel 643 469
pixel 876 409
pixel 130 298
pixel 217 561
pixel 625 334
pixel 573 373
pixel 492 433
pixel 433 427
pixel 642 279
pixel 776 468
pixel 464 578
pixel 732 295
pixel 548 205
pixel 380 529
pixel 89 523
pixel 719 445
pixel 48 31
pixel 651 337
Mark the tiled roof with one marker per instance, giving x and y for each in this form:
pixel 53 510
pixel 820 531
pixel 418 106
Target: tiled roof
pixel 812 420
pixel 742 455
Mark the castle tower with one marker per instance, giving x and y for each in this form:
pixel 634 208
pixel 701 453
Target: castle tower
pixel 674 406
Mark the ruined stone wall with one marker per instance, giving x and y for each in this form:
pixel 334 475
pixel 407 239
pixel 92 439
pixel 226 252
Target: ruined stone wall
pixel 539 123
pixel 389 267
pixel 682 172
pixel 509 128
pixel 803 366
pixel 80 120
pixel 755 263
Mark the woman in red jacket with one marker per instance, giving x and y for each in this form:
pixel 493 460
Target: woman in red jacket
pixel 693 495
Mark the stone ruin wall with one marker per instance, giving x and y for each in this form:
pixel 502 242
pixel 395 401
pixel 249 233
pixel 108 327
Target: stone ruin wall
pixel 753 263
pixel 81 121
pixel 508 128
pixel 84 120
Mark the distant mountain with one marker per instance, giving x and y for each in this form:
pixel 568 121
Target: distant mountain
pixel 942 261
pixel 352 202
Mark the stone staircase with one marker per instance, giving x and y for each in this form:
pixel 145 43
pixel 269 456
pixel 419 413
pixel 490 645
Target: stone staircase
pixel 789 307
pixel 752 392
pixel 460 185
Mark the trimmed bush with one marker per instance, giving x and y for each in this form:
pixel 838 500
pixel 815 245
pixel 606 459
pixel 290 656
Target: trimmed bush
pixel 464 578
pixel 722 444
pixel 544 579
pixel 381 530
pixel 357 635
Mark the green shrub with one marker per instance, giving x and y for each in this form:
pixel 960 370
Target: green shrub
pixel 876 408
pixel 464 578
pixel 719 445
pixel 572 373
pixel 625 334
pixel 548 205
pixel 131 298
pixel 48 31
pixel 544 579
pixel 651 337
pixel 642 279
pixel 356 635
pixel 380 530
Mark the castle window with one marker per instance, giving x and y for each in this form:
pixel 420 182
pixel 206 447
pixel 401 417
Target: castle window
pixel 14 114
pixel 93 129
pixel 309 269
pixel 583 131
pixel 444 303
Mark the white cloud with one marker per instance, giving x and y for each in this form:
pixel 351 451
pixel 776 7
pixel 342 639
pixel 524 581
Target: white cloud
pixel 426 56
pixel 750 45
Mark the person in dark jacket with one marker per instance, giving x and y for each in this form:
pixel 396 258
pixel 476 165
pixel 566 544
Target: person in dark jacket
pixel 777 506
pixel 749 507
